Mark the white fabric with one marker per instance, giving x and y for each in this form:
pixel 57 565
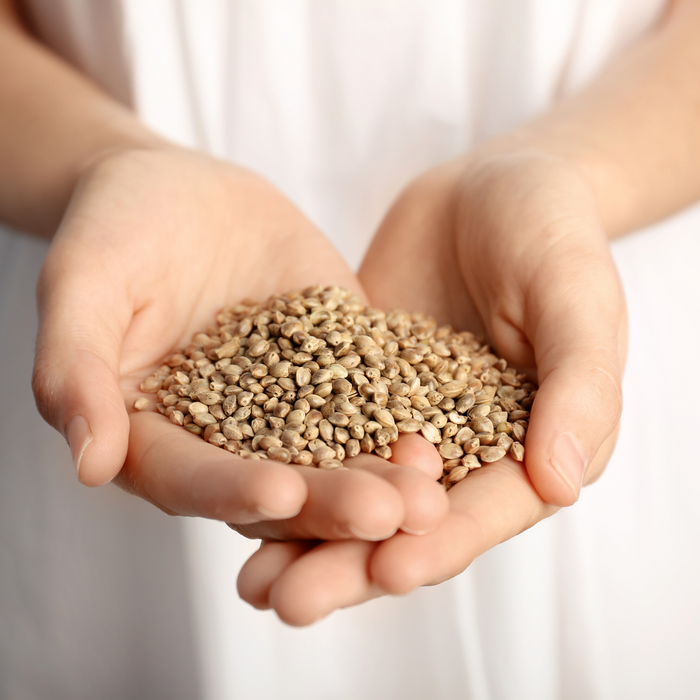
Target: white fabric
pixel 341 103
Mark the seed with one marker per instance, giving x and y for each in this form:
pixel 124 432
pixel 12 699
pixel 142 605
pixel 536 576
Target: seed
pixel 384 418
pixel 463 436
pixel 457 474
pixel 323 452
pixel 448 450
pixel 491 454
pixel 151 385
pixel 383 451
pixel 330 464
pixel 464 403
pixel 518 432
pixel 430 433
pixel 409 426
pixel 258 349
pixel 352 448
pixel 481 425
pixel 517 452
pixel 315 376
pixel 177 417
pixel 471 461
pixel 279 454
pixel 439 420
pixel 304 458
pixel 338 419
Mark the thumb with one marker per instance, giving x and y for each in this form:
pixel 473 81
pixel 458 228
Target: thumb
pixel 580 339
pixel 76 369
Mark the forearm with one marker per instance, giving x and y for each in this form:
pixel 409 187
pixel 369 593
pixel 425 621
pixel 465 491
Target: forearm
pixel 53 123
pixel 634 132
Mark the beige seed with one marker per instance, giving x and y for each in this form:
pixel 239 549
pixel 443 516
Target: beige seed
pixel 384 451
pixel 304 458
pixel 367 443
pixel 259 348
pixel 335 376
pixel 209 398
pixel 204 419
pixel 518 432
pixel 280 369
pixel 217 439
pixel 330 464
pixel 177 417
pixel 463 436
pixel 268 441
pixel 323 452
pixel 210 430
pixel 517 452
pixel 231 430
pixel 151 385
pixel 457 474
pixel 456 418
pixel 471 461
pixel 472 445
pixel 409 426
pixel 431 433
pixel 439 420
pixel 352 448
pixel 384 418
pixel 279 454
pixel 338 419
pixel 229 349
pixel 481 425
pixel 141 404
pixel 491 454
pixel 453 389
pixel 448 450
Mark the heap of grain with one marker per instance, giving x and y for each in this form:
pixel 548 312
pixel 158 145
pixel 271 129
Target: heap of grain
pixel 314 377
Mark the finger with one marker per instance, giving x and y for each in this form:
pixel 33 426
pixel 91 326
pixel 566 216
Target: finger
pixel 425 500
pixel 76 369
pixel 355 503
pixel 412 450
pixel 265 566
pixel 332 575
pixel 184 475
pixel 578 311
pixel 491 505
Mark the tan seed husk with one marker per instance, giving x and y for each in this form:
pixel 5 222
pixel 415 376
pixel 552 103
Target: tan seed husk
pixel 314 377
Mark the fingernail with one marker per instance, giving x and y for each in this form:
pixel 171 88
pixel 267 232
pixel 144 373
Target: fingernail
pixel 419 533
pixel 569 459
pixel 370 538
pixel 79 437
pixel 272 515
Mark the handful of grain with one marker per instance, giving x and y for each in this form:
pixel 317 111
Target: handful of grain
pixel 313 377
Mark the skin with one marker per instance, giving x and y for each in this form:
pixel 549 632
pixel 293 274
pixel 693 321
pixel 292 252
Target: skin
pixel 509 241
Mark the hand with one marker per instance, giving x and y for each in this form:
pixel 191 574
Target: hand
pixel 509 246
pixel 153 243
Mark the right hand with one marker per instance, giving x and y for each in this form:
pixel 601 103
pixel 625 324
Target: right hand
pixel 152 244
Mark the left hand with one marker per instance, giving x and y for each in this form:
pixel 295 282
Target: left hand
pixel 509 246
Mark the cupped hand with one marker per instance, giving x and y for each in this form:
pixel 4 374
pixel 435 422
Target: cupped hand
pixel 508 245
pixel 153 243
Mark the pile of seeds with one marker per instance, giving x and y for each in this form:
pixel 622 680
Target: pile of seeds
pixel 314 377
